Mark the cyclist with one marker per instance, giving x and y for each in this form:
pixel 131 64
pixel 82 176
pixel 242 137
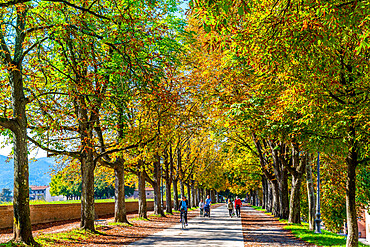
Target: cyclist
pixel 238 205
pixel 207 206
pixel 184 209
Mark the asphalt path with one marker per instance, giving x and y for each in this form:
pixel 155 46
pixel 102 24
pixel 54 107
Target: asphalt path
pixel 218 230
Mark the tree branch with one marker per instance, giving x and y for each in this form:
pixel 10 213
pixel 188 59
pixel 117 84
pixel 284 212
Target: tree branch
pixel 57 152
pixel 8 123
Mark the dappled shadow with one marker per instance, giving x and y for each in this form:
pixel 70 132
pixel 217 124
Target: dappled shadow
pixel 260 229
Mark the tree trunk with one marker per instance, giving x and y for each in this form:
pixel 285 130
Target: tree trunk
pixel 295 195
pixel 352 162
pixel 213 196
pixel 284 197
pixel 182 189
pixel 168 197
pixel 157 200
pixel 311 198
pixel 264 192
pixel 143 212
pixel 275 198
pixel 87 167
pixel 22 223
pixel 22 231
pixel 295 200
pixel 175 195
pixel 169 178
pixel 87 194
pixel 189 195
pixel 270 198
pixel 193 195
pixel 120 214
pixel 158 210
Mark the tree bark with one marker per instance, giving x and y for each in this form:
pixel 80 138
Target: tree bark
pixel 299 166
pixel 188 190
pixel 120 214
pixel 352 162
pixel 284 197
pixel 193 194
pixel 198 196
pixel 275 198
pixel 87 167
pixel 213 197
pixel 22 231
pixel 87 194
pixel 182 189
pixel 311 198
pixel 168 197
pixel 158 210
pixel 264 192
pixel 175 195
pixel 22 223
pixel 143 212
pixel 270 198
pixel 169 178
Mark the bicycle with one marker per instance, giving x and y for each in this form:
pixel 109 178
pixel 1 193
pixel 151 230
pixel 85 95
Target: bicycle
pixel 183 223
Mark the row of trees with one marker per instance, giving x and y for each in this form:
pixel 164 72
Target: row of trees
pixel 292 79
pixel 98 84
pixel 242 96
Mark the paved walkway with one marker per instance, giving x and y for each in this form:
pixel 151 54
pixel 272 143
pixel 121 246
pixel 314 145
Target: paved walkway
pixel 218 230
pixel 264 230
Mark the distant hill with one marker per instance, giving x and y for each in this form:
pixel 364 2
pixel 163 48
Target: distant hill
pixel 39 172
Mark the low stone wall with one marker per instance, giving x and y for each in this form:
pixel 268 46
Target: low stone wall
pixel 46 213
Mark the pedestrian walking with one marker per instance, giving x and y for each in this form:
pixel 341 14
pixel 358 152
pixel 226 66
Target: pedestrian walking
pixel 238 205
pixel 201 207
pixel 230 207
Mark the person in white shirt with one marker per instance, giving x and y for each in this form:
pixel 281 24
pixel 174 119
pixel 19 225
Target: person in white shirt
pixel 201 207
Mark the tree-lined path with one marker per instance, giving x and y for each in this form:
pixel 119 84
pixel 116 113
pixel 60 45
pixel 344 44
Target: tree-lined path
pixel 218 230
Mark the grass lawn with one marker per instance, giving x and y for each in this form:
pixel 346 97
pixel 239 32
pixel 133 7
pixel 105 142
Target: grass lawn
pixel 325 239
pixel 259 208
pixel 64 237
pixel 75 235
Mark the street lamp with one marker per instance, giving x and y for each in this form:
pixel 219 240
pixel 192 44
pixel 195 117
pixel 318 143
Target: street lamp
pixel 318 220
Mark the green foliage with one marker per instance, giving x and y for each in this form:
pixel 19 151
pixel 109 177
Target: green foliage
pixel 363 185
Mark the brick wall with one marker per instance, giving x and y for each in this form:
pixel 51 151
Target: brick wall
pixel 46 213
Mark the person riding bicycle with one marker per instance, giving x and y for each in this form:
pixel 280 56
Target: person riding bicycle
pixel 207 206
pixel 184 209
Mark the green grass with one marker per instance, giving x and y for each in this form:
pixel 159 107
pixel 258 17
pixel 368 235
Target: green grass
pixel 325 239
pixel 155 215
pixel 40 202
pixel 259 208
pixel 139 218
pixel 119 224
pixel 75 235
pixel 176 211
pixel 11 244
